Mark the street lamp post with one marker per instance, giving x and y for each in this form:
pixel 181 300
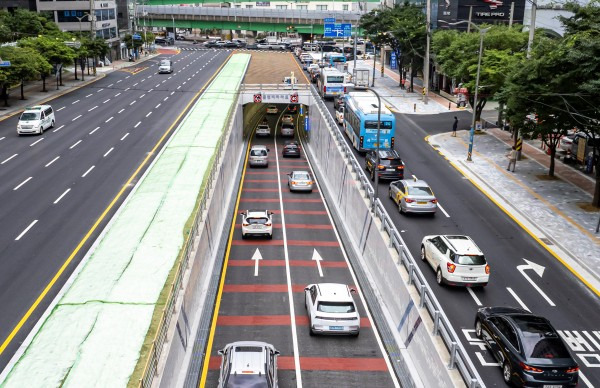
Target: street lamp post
pixel 376 167
pixel 482 32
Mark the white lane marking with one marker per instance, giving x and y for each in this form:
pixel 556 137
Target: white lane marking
pixel 150 90
pixel 519 301
pixel 108 152
pixel 75 102
pixel 61 196
pixel 58 129
pixel 52 161
pixel 475 298
pixel 35 142
pixel 104 102
pixel 132 102
pixel 121 110
pixel 443 210
pixel 179 87
pixel 110 85
pixel 189 78
pixel 166 98
pixel 172 93
pixel 126 90
pixel 163 81
pixel 157 85
pixel 89 95
pixel 3 137
pixel 123 138
pixel 26 230
pixel 91 109
pixel 119 80
pixel 136 84
pixel 149 113
pixel 156 107
pixel 76 118
pixel 22 183
pixel 137 125
pixel 143 79
pixel 288 276
pixel 585 380
pixel 142 96
pixel 184 82
pixel 75 145
pixel 118 94
pixel 110 118
pixel 127 76
pixel 59 109
pixel 88 171
pixel 94 130
pixel 170 77
pixel 484 362
pixel 7 159
pixel 540 271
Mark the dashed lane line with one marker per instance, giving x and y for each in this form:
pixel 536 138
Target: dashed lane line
pixel 17 187
pixel 35 142
pixel 61 196
pixel 26 230
pixel 108 152
pixel 52 161
pixel 88 171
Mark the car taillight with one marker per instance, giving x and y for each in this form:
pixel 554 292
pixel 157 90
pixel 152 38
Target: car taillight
pixel 381 166
pixel 310 182
pixel 246 224
pixel 344 89
pixel 487 269
pixel 401 167
pixel 324 89
pixel 408 200
pixel 530 368
pixel 450 267
pixel 268 224
pixel 434 201
pixel 573 370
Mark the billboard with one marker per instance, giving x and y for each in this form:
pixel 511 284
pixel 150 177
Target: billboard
pixel 484 11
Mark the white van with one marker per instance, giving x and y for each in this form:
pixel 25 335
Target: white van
pixel 36 119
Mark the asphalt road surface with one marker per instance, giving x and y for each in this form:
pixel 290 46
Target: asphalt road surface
pixel 557 294
pixel 55 187
pixel 263 300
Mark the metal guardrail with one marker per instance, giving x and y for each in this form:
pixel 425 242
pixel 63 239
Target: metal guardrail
pixel 156 348
pixel 441 325
pixel 316 17
pixel 257 87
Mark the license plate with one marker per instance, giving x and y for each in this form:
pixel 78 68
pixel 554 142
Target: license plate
pixel 390 169
pixel 468 279
pixel 552 386
pixel 257 227
pixel 421 203
pixel 336 328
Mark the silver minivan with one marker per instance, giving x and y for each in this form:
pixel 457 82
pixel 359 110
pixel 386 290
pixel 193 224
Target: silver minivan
pixel 165 66
pixel 259 156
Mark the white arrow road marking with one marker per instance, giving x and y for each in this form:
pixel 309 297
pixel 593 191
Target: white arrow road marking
pixel 256 257
pixel 316 257
pixel 540 271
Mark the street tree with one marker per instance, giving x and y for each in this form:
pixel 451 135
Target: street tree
pixel 23 23
pixel 26 65
pixel 54 50
pixel 133 44
pixel 96 48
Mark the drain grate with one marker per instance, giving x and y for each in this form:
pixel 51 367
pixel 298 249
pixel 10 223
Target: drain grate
pixel 546 241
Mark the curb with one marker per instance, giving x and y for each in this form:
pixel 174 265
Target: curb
pixel 594 279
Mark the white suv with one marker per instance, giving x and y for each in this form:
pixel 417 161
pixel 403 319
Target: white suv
pixel 263 130
pixel 456 260
pixel 257 223
pixel 248 364
pixel 331 309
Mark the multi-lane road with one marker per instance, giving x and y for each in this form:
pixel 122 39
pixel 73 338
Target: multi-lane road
pixel 545 287
pixel 58 190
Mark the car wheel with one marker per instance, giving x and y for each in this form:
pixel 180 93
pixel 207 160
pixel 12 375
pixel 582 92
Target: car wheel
pixel 478 329
pixel 506 372
pixel 439 278
pixel 243 236
pixel 355 335
pixel 310 329
pixel 423 257
pixel 52 125
pixel 41 130
pixel 271 236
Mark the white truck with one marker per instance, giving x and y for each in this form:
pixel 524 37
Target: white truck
pixel 360 78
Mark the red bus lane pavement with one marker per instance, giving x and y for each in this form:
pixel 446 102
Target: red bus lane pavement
pixel 254 298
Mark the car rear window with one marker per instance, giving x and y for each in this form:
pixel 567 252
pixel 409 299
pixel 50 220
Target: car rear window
pixel 30 116
pixel 336 307
pixel 257 220
pixel 540 340
pixel 470 259
pixel 287 125
pixel 301 175
pixel 165 63
pixel 258 153
pixel 390 162
pixel 419 190
pixel 255 349
pixel 247 380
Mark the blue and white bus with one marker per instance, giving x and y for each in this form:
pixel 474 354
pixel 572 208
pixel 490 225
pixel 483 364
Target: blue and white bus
pixel 335 59
pixel 360 122
pixel 331 82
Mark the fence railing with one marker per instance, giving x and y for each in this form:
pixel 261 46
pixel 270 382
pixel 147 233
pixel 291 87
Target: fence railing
pixel 441 325
pixel 156 347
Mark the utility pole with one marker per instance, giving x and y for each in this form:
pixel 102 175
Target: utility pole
pixel 470 18
pixel 426 65
pixel 374 58
pixel 531 28
pixel 512 12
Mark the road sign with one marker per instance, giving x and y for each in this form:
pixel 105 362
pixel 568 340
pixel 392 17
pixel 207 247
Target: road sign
pixel 306 124
pixel 258 98
pixel 329 20
pixel 338 30
pixel 393 61
pixel 136 37
pixel 294 98
pixel 5 64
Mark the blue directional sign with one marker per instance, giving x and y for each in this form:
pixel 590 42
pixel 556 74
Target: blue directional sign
pixel 4 63
pixel 338 30
pixel 329 20
pixel 393 61
pixel 136 37
pixel 306 124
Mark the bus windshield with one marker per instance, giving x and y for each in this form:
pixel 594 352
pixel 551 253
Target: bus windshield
pixel 335 79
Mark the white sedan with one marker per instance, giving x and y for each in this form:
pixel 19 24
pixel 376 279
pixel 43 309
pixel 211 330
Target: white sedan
pixel 257 223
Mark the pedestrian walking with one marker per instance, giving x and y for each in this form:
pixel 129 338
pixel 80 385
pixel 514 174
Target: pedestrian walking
pixel 512 159
pixel 454 126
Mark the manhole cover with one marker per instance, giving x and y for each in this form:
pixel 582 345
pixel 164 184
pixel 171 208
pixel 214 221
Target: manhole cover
pixel 546 241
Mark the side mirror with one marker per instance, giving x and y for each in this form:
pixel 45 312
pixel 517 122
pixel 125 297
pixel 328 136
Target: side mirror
pixel 277 352
pixel 353 290
pixel 268 149
pixel 306 289
pixel 220 352
pixel 271 213
pixel 242 213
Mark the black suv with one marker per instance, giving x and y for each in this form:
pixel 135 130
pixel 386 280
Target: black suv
pixel 387 163
pixel 529 350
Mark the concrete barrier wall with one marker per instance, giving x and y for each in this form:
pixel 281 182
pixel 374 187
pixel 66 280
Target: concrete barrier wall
pixel 372 247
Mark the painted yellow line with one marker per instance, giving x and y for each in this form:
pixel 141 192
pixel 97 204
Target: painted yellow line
pixel 544 245
pixel 299 68
pixel 64 266
pixel 213 325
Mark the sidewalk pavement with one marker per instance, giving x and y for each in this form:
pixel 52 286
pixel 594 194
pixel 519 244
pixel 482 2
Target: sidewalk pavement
pixel 35 96
pixel 555 212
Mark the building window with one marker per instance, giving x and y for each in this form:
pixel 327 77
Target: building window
pixel 71 16
pixel 281 7
pixel 344 7
pixel 105 14
pixel 321 8
pixel 302 7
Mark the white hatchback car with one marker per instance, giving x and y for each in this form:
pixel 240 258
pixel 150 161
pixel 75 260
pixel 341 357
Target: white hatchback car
pixel 248 364
pixel 456 260
pixel 257 223
pixel 263 130
pixel 331 309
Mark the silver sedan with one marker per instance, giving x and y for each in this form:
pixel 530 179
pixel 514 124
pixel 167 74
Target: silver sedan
pixel 413 196
pixel 300 181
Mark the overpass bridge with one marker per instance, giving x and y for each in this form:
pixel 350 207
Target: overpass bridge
pixel 248 19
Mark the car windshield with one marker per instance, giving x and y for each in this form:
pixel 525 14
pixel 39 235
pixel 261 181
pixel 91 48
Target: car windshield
pixel 263 126
pixel 419 190
pixel 336 307
pixel 539 338
pixel 247 381
pixel 165 63
pixel 470 259
pixel 30 116
pixel 258 153
pixel 335 79
pixel 301 175
pixel 257 220
pixel 291 147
